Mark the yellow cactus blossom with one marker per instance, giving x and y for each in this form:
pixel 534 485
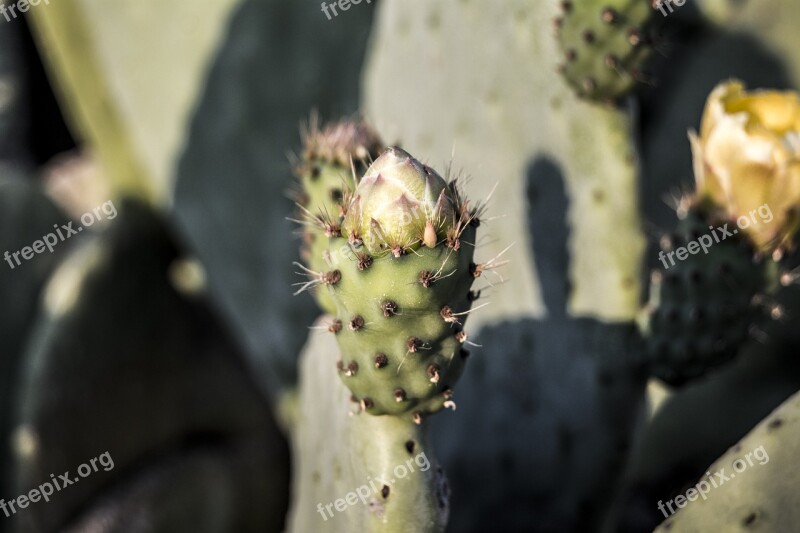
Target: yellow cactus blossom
pixel 747 160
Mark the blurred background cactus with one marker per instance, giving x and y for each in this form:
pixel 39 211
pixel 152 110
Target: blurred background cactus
pixel 604 382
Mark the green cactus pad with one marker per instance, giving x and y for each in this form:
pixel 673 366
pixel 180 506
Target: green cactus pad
pixel 401 340
pixel 606 45
pixel 403 291
pixel 703 308
pixel 326 175
pixel 755 482
pixel 337 451
pixel 325 185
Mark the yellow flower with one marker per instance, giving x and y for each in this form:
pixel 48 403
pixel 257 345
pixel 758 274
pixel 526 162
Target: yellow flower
pixel 747 160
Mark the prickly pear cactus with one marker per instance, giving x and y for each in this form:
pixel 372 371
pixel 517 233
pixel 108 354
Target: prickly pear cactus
pixel 400 272
pixel 397 267
pixel 702 305
pixel 692 427
pixel 606 45
pixel 330 157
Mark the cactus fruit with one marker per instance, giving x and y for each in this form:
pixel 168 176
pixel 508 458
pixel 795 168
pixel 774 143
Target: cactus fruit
pixel 701 308
pixel 330 157
pixel 400 273
pixel 606 45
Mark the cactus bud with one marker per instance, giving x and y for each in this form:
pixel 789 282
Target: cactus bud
pixel 400 204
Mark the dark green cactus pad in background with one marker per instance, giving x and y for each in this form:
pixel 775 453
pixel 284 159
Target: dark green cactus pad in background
pixel 703 307
pixel 242 127
pixel 129 358
pixel 25 215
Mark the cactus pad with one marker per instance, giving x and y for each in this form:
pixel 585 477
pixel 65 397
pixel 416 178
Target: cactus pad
pixel 325 173
pixel 606 45
pixel 400 274
pixel 703 308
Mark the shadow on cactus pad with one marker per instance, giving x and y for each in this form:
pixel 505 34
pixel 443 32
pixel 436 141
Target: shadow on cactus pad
pixel 545 403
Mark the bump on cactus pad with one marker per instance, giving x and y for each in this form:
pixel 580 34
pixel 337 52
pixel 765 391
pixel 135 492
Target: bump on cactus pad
pixel 606 45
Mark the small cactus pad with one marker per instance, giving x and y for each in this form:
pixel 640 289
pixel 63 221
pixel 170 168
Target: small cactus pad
pixel 325 172
pixel 702 308
pixel 403 291
pixel 606 45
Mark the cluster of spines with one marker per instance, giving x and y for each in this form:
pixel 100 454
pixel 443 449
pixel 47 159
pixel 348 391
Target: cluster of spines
pixel 330 227
pixel 340 143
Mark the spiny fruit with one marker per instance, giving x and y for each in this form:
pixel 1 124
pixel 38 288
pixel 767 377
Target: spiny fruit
pixel 330 157
pixel 606 45
pixel 704 307
pixel 403 268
